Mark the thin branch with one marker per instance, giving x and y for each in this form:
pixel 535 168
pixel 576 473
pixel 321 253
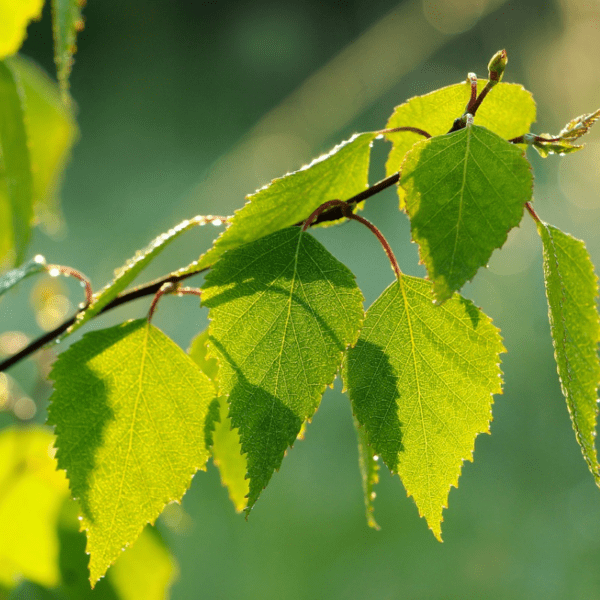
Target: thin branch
pixel 151 288
pixel 411 129
pixel 532 212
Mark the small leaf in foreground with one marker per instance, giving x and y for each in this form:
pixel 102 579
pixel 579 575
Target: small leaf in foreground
pixel 464 192
pixel 32 492
pixel 421 379
pixel 341 174
pixel 226 449
pixel 572 290
pixel 282 311
pixel 66 22
pixel 129 408
pixel 15 168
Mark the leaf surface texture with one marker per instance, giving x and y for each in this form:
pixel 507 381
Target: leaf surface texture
pixel 282 311
pixel 572 290
pixel 464 192
pixel 129 408
pixel 421 379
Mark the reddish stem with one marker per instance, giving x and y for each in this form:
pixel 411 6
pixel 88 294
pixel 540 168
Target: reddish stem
pixel 532 212
pixel 70 272
pixel 325 206
pixel 411 129
pixel 472 79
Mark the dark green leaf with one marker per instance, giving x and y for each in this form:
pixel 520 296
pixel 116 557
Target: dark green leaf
pixel 572 290
pixel 15 167
pixel 464 192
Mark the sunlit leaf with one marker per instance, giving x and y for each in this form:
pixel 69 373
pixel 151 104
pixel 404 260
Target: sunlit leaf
pixel 421 379
pixel 129 408
pixel 572 291
pixel 464 192
pixel 66 22
pixel 282 312
pixel 288 200
pixel 226 449
pixel 508 110
pixel 16 186
pixel 32 492
pixel 145 571
pixel 14 18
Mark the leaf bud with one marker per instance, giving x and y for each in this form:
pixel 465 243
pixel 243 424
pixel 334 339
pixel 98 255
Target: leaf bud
pixel 497 66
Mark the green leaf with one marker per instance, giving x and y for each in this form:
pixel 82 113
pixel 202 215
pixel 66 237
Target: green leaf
pixel 464 192
pixel 369 471
pixel 66 22
pixel 14 18
pixel 131 269
pixel 546 143
pixel 36 265
pixel 51 133
pixel 508 111
pixel 282 312
pixel 145 571
pixel 421 379
pixel 340 174
pixel 32 492
pixel 572 289
pixel 15 166
pixel 226 448
pixel 129 408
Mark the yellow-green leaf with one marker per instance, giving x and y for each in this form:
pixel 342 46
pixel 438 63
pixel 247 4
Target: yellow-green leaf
pixel 508 111
pixel 421 379
pixel 340 174
pixel 572 292
pixel 129 408
pixel 226 448
pixel 15 15
pixel 32 492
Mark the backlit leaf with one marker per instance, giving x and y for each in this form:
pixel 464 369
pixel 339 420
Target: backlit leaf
pixel 464 192
pixel 16 187
pixel 66 22
pixel 129 408
pixel 290 199
pixel 282 311
pixel 14 18
pixel 32 492
pixel 572 290
pixel 421 379
pixel 145 571
pixel 226 449
pixel 508 110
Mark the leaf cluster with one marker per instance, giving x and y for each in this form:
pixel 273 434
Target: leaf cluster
pixel 135 416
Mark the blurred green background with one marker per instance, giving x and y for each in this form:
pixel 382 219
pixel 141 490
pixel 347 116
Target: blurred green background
pixel 186 107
